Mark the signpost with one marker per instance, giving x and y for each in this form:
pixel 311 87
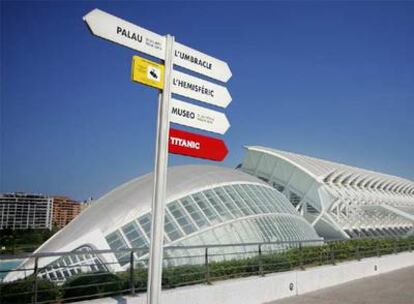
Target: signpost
pixel 196 145
pixel 152 73
pixel 200 89
pixel 162 76
pixel 201 63
pixel 190 115
pixel 160 182
pixel 117 30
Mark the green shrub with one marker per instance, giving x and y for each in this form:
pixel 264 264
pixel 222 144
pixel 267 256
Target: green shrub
pixel 280 261
pixel 92 285
pixel 21 291
pixel 183 275
pixel 140 276
pixel 233 268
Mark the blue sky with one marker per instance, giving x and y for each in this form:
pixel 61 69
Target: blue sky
pixel 333 80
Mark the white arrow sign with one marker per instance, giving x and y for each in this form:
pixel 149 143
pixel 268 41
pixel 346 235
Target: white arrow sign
pixel 125 33
pixel 199 89
pixel 130 35
pixel 189 115
pixel 201 63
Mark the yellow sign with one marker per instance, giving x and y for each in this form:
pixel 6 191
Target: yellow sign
pixel 147 72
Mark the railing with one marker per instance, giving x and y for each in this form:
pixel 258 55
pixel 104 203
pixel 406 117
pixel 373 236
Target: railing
pixel 86 274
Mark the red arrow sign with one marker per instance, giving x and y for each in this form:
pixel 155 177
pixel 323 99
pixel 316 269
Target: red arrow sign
pixel 195 145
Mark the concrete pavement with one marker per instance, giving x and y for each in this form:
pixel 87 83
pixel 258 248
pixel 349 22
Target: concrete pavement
pixel 396 287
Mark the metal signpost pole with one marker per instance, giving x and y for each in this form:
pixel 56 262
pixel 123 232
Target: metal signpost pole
pixel 160 181
pixel 122 32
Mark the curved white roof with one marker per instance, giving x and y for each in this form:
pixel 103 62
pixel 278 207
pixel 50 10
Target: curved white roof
pixel 336 193
pixel 327 171
pixel 127 201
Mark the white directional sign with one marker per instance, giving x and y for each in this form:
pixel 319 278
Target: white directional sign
pixel 199 89
pixel 201 63
pixel 117 30
pixel 190 115
pixel 125 33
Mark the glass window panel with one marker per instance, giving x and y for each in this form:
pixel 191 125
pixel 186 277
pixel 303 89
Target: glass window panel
pixel 251 228
pixel 145 222
pixel 238 200
pixel 261 230
pixel 266 228
pixel 271 227
pixel 206 208
pixel 276 227
pixel 171 229
pixel 282 225
pixel 134 235
pixel 249 201
pixel 111 237
pixel 115 241
pixel 72 259
pixel 198 217
pixel 231 206
pixel 181 217
pixel 259 202
pixel 257 190
pixel 265 200
pixel 59 275
pixel 274 200
pixel 215 236
pixel 242 195
pixel 217 204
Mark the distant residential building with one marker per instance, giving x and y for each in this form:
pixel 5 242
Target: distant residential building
pixel 35 211
pixel 64 210
pixel 25 211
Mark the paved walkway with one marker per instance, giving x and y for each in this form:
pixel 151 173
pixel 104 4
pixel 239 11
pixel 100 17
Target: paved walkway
pixel 395 287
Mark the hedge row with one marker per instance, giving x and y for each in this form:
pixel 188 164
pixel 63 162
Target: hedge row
pixel 95 285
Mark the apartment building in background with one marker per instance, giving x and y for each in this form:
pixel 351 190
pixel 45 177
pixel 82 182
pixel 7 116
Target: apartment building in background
pixel 25 211
pixel 19 211
pixel 64 210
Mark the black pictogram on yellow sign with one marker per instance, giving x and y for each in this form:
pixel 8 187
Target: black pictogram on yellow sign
pixel 147 72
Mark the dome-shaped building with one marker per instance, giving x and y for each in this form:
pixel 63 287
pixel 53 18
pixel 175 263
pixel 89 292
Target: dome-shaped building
pixel 205 205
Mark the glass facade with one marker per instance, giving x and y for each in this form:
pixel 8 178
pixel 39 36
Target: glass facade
pixel 81 261
pixel 232 213
pixel 211 206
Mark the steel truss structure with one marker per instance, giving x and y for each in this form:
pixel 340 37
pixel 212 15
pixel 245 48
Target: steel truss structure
pixel 337 199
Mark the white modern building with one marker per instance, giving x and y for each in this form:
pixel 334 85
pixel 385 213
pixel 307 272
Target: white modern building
pixel 338 200
pixel 205 205
pixel 25 211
